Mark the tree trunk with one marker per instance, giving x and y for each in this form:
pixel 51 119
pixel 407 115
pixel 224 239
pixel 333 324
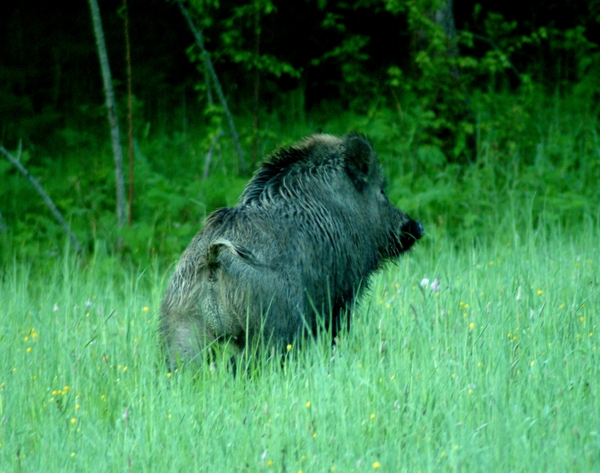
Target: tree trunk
pixel 129 111
pixel 256 84
pixel 444 17
pixel 112 112
pixel 198 35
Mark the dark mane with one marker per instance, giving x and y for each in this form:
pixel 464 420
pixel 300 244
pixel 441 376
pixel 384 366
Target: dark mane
pixel 286 158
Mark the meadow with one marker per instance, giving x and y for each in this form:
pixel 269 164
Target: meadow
pixel 477 351
pixel 494 369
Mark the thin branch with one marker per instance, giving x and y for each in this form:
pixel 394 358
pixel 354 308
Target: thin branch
pixel 209 95
pixel 112 112
pixel 44 196
pixel 198 36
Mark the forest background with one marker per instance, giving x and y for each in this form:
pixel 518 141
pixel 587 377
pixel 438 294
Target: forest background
pixel 473 107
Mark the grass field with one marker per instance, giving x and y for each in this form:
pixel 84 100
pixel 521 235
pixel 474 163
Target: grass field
pixel 478 351
pixel 496 370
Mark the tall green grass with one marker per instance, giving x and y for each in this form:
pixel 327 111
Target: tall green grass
pixel 497 370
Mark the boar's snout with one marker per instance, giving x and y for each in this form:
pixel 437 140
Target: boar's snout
pixel 410 232
pixel 413 229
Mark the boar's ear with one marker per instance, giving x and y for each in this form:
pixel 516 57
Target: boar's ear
pixel 215 248
pixel 358 159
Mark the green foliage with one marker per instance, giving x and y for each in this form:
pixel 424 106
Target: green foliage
pixel 438 80
pixel 237 36
pixel 351 58
pixel 446 69
pixel 535 155
pixel 580 62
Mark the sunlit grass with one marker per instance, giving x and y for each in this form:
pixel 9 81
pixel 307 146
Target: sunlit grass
pixel 480 358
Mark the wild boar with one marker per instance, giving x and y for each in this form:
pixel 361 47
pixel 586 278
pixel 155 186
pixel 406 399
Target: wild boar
pixel 311 227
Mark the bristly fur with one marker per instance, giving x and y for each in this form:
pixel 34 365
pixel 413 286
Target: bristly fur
pixel 288 159
pixel 311 227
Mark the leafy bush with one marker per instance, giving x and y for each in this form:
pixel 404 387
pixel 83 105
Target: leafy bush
pixel 536 155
